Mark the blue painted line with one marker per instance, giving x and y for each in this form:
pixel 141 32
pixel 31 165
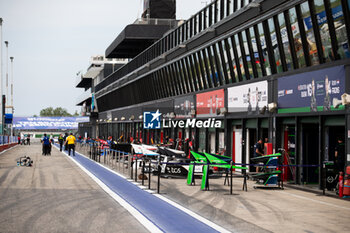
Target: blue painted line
pixel 165 216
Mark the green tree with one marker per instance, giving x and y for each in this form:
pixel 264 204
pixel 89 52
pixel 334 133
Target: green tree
pixel 57 112
pixel 46 112
pixel 61 112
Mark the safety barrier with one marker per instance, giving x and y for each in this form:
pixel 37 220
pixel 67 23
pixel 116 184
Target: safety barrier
pixel 128 164
pixel 7 142
pixel 5 139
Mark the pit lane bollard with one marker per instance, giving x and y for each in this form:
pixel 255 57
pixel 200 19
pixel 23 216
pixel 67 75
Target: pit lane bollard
pixel 135 168
pixel 159 171
pixel 324 182
pixel 131 166
pixel 118 160
pixel 231 178
pixel 149 174
pixel 143 172
pixel 123 164
pixel 245 186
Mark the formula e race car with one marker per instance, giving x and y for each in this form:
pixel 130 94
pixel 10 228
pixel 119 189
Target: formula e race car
pixel 173 163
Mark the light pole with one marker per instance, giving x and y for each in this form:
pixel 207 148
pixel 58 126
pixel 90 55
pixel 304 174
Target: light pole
pixel 7 72
pixel 7 82
pixel 12 107
pixel 1 113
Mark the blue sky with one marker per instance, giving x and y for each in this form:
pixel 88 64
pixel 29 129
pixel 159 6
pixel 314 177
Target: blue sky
pixel 52 40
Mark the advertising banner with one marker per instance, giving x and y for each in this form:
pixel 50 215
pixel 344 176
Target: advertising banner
pixel 209 103
pixel 48 122
pixel 247 98
pixel 183 106
pixel 312 91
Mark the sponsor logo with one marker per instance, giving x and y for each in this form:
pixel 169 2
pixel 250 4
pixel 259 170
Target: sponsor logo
pixel 192 123
pixel 151 120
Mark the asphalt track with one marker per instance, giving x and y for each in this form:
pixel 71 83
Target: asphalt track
pixel 163 215
pixel 55 196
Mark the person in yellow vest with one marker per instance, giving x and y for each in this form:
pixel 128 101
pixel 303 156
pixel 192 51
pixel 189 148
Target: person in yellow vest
pixel 70 141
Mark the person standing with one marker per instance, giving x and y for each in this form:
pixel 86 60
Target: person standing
pixel 64 139
pixel 60 141
pixel 19 139
pixel 339 155
pixel 258 150
pixel 70 141
pixel 28 139
pixel 46 144
pixel 22 140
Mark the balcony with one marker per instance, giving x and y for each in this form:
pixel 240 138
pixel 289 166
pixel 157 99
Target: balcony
pixel 138 36
pixel 84 97
pixel 85 81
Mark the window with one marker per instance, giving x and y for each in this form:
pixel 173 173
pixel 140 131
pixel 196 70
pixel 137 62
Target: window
pixel 255 51
pixel 195 24
pixel 309 31
pixel 264 49
pixel 210 14
pixel 192 72
pixel 340 29
pixel 170 81
pixel 235 59
pixel 298 46
pixel 229 7
pixel 239 55
pixel 215 69
pixel 222 8
pixel 210 67
pixel 181 77
pixel 160 84
pixel 185 74
pixel 226 61
pixel 247 55
pixel 285 41
pixel 206 68
pixel 156 85
pixel 182 34
pixel 238 2
pixel 206 18
pixel 323 28
pixel 220 63
pixel 173 82
pixel 164 79
pixel 245 2
pixel 197 71
pixel 216 11
pixel 275 46
pixel 202 70
pixel 177 79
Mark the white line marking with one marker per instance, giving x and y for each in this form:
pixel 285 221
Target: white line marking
pixel 8 149
pixel 194 215
pixel 320 202
pixel 189 212
pixel 134 212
